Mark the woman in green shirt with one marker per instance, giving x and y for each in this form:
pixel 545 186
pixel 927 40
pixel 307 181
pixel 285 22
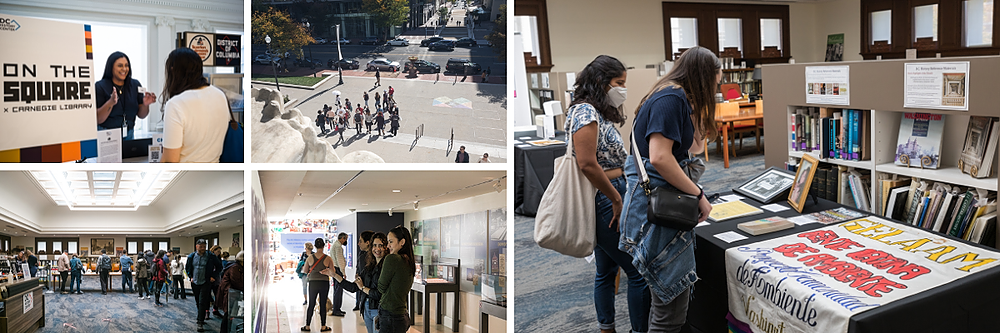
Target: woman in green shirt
pixel 394 284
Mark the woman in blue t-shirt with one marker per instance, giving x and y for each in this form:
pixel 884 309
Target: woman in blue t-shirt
pixel 671 121
pixel 600 154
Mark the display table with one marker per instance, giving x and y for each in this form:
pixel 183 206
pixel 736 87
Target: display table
pixel 487 309
pixel 949 307
pixel 23 308
pixel 533 169
pixel 424 290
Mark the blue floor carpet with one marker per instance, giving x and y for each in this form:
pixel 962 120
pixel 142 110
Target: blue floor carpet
pixel 555 293
pixel 119 312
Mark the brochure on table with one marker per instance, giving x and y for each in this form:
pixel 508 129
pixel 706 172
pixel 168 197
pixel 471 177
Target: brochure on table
pixel 828 85
pixel 816 280
pixel 937 85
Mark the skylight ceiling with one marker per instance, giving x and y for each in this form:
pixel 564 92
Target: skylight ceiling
pixel 104 190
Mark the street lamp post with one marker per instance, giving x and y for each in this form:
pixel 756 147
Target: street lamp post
pixel 267 39
pixel 312 61
pixel 340 56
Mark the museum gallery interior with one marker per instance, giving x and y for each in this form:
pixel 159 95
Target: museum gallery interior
pixel 457 220
pixel 869 123
pixel 123 213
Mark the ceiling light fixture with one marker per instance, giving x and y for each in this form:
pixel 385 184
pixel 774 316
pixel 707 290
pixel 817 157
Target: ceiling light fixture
pixel 104 190
pixel 390 211
pixel 396 191
pixel 416 205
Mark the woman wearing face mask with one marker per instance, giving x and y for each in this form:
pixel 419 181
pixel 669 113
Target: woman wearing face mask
pixel 600 154
pixel 118 97
pixel 395 281
pixel 670 122
pixel 367 285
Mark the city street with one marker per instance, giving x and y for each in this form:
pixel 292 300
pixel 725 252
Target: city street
pixel 474 111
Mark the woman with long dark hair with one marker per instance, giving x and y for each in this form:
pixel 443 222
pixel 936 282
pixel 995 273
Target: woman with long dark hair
pixel 600 154
pixel 366 288
pixel 196 115
pixel 670 123
pixel 159 275
pixel 395 281
pixel 318 268
pixel 118 98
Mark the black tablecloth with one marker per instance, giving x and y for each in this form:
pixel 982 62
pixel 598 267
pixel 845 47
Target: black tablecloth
pixel 533 168
pixel 969 304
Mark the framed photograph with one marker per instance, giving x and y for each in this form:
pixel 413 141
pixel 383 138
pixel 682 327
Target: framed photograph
pixel 98 244
pixel 803 179
pixel 769 186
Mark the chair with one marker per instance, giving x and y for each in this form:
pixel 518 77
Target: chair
pixel 738 128
pixel 730 91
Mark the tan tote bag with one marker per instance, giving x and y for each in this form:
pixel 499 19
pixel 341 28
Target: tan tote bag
pixel 567 219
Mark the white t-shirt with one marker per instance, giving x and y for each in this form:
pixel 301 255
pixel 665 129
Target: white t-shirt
pixel 196 121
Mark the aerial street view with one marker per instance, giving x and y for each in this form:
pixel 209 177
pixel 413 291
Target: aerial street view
pixel 379 81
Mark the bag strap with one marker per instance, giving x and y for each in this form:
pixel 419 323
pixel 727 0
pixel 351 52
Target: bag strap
pixel 232 118
pixel 638 162
pixel 317 262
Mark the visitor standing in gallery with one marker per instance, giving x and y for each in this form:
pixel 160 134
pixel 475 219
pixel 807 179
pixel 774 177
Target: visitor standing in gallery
pixel 196 115
pixel 231 279
pixel 600 154
pixel 177 270
pixel 118 98
pixel 104 267
pixel 63 264
pixel 395 281
pixel 366 285
pixel 126 268
pixel 202 267
pixel 76 274
pixel 159 275
pixel 319 271
pixel 142 276
pixel 670 123
pixel 302 272
pixel 364 245
pixel 339 265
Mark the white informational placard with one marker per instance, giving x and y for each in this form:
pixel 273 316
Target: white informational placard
pixel 828 85
pixel 47 82
pixel 109 146
pixel 156 149
pixel 937 85
pixel 814 281
pixel 545 80
pixel 571 80
pixel 29 302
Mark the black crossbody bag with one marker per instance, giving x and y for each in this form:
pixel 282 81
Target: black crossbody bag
pixel 667 208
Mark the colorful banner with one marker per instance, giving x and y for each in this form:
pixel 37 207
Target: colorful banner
pixel 816 280
pixel 48 105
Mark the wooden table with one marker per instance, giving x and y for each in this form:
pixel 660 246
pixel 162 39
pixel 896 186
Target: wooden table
pixel 727 122
pixel 487 309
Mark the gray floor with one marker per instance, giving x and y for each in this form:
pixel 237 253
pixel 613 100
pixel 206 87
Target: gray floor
pixel 554 293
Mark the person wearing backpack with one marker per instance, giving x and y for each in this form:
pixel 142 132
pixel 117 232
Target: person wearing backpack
pixel 177 270
pixel 126 264
pixel 302 272
pixel 142 276
pixel 358 119
pixel 104 267
pixel 202 268
pixel 76 272
pixel 159 275
pixel 321 121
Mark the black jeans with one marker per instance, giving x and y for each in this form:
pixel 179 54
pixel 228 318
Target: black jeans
pixel 63 276
pixel 202 295
pixel 317 289
pixel 105 280
pixel 156 291
pixel 338 293
pixel 178 284
pixel 143 287
pixel 392 323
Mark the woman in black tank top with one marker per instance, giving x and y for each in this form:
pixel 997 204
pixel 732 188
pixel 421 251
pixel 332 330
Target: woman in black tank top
pixel 318 265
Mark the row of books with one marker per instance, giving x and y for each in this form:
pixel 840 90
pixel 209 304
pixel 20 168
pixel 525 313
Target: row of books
pixel 844 185
pixel 967 213
pixel 833 133
pixel 738 77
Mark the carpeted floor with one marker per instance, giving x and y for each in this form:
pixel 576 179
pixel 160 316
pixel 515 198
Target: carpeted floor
pixel 119 312
pixel 555 293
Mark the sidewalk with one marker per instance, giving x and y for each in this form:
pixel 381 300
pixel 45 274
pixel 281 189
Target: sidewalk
pixel 265 70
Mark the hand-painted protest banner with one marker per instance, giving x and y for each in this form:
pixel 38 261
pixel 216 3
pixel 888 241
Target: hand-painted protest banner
pixel 816 280
pixel 48 105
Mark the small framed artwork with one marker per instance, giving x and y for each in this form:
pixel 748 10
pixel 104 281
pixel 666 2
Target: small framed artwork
pixel 769 186
pixel 803 179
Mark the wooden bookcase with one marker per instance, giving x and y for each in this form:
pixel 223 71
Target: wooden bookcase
pixel 877 86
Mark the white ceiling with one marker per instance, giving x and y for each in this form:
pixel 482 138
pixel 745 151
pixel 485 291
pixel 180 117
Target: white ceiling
pixel 294 194
pixel 191 203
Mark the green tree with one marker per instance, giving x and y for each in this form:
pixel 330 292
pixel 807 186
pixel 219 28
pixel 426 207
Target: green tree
pixel 498 38
pixel 442 15
pixel 386 13
pixel 286 34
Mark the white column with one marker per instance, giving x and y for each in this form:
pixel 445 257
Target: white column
pixel 165 41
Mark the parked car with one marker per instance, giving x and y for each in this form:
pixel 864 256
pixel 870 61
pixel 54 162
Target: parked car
pixel 369 41
pixel 458 65
pixel 344 64
pixel 466 41
pixel 423 66
pixel 306 62
pixel 265 59
pixel 343 41
pixel 446 45
pixel 320 40
pixel 399 41
pixel 383 64
pixel 428 41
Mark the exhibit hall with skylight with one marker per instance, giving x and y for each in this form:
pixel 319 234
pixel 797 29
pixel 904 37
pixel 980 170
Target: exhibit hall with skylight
pixel 147 216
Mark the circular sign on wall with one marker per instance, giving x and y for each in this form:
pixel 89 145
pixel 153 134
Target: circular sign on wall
pixel 201 45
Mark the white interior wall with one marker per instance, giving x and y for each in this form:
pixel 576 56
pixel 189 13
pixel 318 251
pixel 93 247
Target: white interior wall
pixel 469 320
pixel 839 16
pixel 185 243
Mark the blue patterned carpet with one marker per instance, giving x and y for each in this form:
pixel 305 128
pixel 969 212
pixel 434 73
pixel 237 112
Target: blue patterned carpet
pixel 555 293
pixel 119 312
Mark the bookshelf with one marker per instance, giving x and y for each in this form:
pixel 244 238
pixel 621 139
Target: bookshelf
pixel 877 87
